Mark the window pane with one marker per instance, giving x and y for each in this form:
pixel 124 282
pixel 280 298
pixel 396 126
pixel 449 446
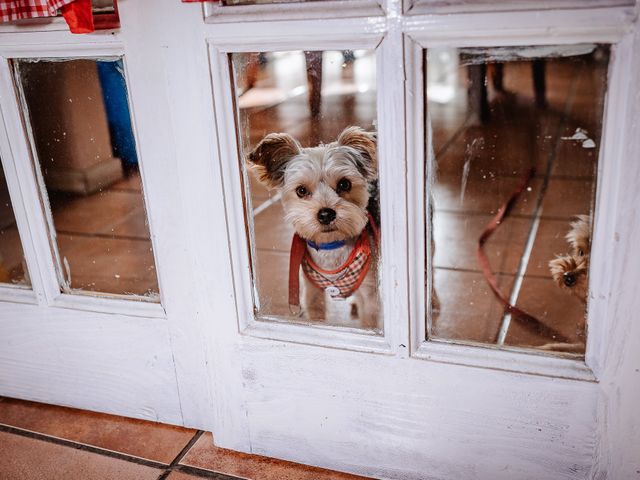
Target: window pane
pixel 520 123
pixel 78 116
pixel 262 2
pixel 13 267
pixel 305 174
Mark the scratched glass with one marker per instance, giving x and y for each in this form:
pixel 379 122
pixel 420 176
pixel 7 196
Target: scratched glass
pixel 305 99
pixel 517 129
pixel 77 116
pixel 262 2
pixel 13 269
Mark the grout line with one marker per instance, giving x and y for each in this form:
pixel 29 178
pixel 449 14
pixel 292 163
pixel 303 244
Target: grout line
pixel 103 235
pixel 499 272
pixel 181 454
pixel 521 216
pixel 81 446
pixel 537 215
pixel 200 472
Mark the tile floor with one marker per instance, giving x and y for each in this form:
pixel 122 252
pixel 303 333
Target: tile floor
pixel 43 442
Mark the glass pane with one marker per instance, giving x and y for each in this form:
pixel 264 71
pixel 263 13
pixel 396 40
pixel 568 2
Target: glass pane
pixel 13 268
pixel 305 173
pixel 515 129
pixel 102 6
pixel 262 2
pixel 78 116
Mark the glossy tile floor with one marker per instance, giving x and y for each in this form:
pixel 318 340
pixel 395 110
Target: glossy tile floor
pixel 42 442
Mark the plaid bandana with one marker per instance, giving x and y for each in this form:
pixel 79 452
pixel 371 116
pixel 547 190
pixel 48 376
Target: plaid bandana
pixel 340 283
pixel 19 9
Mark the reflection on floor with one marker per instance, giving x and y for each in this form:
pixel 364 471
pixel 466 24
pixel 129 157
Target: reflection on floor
pixel 500 151
pixel 106 237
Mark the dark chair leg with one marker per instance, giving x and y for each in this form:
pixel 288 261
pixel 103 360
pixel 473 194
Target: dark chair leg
pixel 314 81
pixel 539 82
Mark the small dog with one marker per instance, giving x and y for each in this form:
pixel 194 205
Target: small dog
pixel 326 191
pixel 571 271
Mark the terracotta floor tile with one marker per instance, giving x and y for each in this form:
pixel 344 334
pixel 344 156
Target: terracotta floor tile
pixel 550 241
pixel 132 182
pixel 205 455
pixel 26 458
pixel 554 307
pixel 11 257
pixel 272 231
pixel 482 195
pixel 152 441
pixel 100 213
pixel 259 193
pixel 272 272
pixel 469 310
pixel 113 265
pixel 456 242
pixel 567 198
pixel 175 475
pixel 574 161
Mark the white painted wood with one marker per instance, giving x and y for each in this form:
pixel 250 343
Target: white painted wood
pixel 416 7
pixel 618 434
pixel 392 406
pixel 295 36
pixel 30 217
pixel 108 363
pixel 17 294
pixel 485 356
pixel 521 28
pixel 329 34
pixel 216 13
pixel 390 417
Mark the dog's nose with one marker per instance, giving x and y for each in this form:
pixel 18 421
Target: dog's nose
pixel 569 279
pixel 326 216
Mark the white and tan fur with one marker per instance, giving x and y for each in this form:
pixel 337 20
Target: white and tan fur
pixel 311 181
pixel 571 271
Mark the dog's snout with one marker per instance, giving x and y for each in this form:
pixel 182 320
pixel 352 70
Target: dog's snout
pixel 569 279
pixel 326 216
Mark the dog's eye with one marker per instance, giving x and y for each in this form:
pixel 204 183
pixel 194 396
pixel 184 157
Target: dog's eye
pixel 344 185
pixel 580 252
pixel 302 191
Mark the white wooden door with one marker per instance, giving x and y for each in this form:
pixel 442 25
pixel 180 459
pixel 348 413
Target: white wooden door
pixel 403 399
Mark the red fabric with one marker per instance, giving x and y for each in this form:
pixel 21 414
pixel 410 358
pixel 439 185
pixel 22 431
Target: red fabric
pixel 79 16
pixel 345 279
pixel 19 9
pixel 525 319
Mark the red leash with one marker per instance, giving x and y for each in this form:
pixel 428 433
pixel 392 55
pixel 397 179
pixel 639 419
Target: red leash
pixel 526 319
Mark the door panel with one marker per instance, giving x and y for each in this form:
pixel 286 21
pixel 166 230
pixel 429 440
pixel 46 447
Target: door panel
pixel 391 405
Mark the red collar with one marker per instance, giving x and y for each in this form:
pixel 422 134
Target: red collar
pixel 339 283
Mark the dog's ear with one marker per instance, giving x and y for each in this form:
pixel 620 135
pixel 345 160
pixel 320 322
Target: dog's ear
pixel 270 157
pixel 365 144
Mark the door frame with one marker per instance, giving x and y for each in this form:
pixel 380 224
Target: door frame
pixel 195 363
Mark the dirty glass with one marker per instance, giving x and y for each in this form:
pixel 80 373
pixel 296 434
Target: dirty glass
pixel 262 2
pixel 305 172
pixel 102 6
pixel 13 269
pixel 77 115
pixel 514 131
